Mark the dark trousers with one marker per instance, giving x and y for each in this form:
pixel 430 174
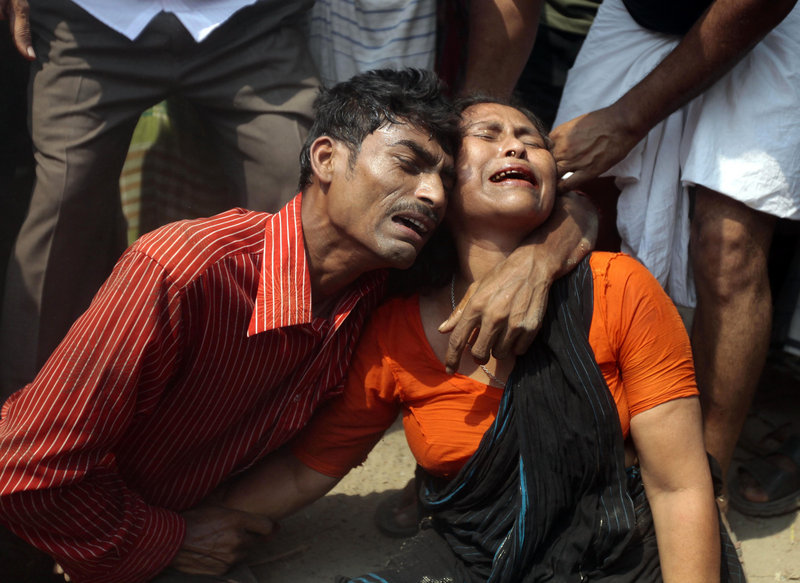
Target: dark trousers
pixel 252 80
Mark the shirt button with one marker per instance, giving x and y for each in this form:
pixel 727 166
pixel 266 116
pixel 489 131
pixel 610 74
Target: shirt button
pixel 296 398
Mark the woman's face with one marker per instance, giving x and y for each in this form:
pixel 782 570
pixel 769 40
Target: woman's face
pixel 504 171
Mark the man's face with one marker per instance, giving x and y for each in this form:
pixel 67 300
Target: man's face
pixel 393 196
pixel 504 169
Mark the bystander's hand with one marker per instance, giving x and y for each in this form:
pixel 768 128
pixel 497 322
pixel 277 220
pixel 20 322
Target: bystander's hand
pixel 17 13
pixel 590 144
pixel 217 538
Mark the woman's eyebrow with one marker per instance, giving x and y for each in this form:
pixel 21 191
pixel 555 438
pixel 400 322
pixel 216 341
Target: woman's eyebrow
pixel 484 125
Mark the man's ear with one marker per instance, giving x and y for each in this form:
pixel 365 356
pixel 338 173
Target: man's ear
pixel 322 154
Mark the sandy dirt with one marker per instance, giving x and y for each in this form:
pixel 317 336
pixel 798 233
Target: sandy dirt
pixel 336 535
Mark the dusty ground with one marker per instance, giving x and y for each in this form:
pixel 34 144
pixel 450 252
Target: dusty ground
pixel 336 535
pixel 771 547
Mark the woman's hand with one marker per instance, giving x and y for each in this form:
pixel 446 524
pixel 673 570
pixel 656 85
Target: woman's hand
pixel 220 532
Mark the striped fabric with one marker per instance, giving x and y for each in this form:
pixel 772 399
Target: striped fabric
pixel 351 36
pixel 548 484
pixel 198 356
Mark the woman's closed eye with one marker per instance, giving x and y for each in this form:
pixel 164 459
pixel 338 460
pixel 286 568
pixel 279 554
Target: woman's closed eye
pixel 485 135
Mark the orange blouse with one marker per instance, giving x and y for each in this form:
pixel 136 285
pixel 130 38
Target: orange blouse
pixel 636 334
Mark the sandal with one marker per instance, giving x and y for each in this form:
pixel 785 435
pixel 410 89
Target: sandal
pixel 397 515
pixel 763 433
pixel 776 475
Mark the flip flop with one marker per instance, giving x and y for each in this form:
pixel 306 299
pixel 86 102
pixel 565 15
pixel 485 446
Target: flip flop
pixel 777 474
pixel 388 512
pixel 763 432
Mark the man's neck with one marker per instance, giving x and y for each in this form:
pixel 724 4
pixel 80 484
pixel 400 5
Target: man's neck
pixel 332 263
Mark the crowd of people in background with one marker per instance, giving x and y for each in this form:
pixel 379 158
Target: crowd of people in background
pixel 680 121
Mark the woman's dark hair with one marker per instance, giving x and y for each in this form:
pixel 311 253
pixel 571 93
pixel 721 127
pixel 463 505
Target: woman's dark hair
pixel 438 260
pixel 351 110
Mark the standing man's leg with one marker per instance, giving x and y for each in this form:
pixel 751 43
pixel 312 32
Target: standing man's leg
pixel 730 335
pixel 255 82
pixel 86 95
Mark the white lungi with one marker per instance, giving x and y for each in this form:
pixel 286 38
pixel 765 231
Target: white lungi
pixel 741 137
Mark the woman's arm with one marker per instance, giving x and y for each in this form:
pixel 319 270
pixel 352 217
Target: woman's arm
pixel 677 480
pixel 655 361
pixel 339 436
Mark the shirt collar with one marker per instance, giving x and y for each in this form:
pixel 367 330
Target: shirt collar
pixel 284 289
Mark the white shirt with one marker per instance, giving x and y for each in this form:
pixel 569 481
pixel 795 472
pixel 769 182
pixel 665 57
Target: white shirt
pixel 130 17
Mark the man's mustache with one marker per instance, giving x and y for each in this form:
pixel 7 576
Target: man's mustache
pixel 417 208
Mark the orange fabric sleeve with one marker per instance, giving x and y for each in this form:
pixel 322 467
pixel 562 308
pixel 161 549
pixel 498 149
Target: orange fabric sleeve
pixel 344 430
pixel 638 337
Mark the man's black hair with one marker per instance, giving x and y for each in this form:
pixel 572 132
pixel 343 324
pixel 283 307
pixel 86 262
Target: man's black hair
pixel 353 109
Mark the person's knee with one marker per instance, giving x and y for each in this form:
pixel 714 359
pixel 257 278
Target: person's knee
pixel 729 247
pixel 724 261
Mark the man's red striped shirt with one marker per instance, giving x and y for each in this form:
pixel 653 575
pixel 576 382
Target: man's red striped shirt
pixel 197 357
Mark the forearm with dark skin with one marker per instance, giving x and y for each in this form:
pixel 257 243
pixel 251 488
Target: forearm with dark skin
pixel 221 531
pixel 592 143
pixel 277 487
pixel 501 36
pixel 503 312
